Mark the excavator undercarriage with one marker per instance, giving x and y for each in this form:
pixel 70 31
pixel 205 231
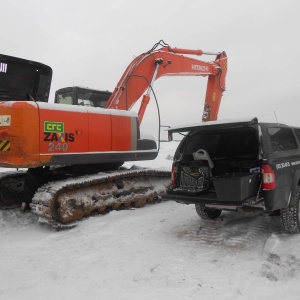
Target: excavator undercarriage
pixel 67 197
pixel 60 204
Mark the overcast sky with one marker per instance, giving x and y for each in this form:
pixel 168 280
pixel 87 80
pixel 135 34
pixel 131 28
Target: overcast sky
pixel 91 42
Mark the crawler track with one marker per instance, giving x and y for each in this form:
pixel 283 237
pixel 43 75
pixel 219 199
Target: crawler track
pixel 62 203
pixel 11 189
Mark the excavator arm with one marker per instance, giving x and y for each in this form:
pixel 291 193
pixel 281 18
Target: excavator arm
pixel 141 73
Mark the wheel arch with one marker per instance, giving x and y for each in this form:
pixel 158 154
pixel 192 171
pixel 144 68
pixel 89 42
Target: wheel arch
pixel 295 184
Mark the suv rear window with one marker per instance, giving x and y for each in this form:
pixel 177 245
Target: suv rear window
pixel 206 142
pixel 282 139
pixel 240 142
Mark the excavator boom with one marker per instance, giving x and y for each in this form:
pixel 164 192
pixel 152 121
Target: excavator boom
pixel 141 73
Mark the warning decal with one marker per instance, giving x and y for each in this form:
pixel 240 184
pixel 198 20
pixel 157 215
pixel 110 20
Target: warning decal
pixel 4 145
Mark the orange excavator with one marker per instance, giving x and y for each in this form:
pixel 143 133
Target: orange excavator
pixel 73 149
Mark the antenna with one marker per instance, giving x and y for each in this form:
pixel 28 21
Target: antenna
pixel 275 116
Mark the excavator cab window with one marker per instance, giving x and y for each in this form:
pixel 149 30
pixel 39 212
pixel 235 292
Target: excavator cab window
pixel 85 102
pixel 64 98
pixel 82 96
pixel 92 98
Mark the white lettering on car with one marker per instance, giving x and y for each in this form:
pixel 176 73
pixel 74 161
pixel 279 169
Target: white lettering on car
pixel 282 165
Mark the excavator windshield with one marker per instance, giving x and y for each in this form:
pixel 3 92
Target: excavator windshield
pixel 22 79
pixel 81 96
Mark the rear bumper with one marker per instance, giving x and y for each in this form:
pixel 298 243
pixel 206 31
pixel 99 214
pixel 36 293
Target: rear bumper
pixel 200 198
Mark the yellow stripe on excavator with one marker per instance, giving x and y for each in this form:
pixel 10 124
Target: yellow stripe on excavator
pixel 4 145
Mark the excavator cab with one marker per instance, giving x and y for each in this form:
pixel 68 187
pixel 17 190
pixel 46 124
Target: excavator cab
pixel 22 79
pixel 82 96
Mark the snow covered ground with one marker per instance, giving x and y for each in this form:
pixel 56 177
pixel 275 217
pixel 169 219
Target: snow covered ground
pixel 161 251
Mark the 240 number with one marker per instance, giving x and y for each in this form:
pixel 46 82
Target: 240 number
pixel 61 147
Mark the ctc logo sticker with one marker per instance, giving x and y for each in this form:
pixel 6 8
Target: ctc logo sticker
pixel 57 127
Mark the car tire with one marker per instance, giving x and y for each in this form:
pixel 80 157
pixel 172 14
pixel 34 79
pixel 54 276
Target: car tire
pixel 290 217
pixel 207 213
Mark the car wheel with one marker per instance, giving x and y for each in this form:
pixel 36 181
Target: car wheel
pixel 207 213
pixel 290 217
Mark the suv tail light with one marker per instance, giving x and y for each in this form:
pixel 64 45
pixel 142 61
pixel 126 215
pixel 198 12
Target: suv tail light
pixel 173 176
pixel 269 180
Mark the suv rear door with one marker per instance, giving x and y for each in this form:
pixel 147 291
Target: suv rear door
pixel 282 154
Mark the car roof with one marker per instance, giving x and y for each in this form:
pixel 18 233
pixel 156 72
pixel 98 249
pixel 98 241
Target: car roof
pixel 211 125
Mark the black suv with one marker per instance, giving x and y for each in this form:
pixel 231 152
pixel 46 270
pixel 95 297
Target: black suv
pixel 239 165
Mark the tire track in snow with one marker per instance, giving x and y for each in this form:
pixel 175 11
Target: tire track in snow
pixel 211 232
pixel 248 232
pixel 233 230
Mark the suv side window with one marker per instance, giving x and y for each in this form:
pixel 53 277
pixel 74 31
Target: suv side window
pixel 282 139
pixel 297 131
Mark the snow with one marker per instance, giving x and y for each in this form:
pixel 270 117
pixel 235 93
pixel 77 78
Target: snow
pixel 161 251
